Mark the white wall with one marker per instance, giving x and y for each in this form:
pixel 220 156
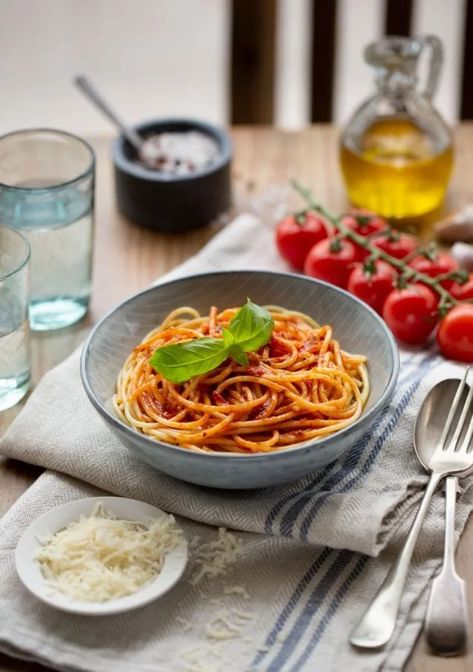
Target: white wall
pixel 292 62
pixel 148 57
pixel 358 24
pixel 446 20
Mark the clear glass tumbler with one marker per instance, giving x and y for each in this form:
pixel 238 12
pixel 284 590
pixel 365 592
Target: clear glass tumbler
pixel 47 193
pixel 14 327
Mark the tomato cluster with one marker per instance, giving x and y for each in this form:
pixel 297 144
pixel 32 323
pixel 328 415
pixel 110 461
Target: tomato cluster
pixel 410 308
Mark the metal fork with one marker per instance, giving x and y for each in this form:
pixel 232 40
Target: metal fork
pixel 451 456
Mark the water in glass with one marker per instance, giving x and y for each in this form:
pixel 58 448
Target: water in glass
pixel 14 326
pixel 60 235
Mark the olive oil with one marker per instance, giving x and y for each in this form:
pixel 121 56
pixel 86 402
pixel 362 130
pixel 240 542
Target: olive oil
pixel 395 170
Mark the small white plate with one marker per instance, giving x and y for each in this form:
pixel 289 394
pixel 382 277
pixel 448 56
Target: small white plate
pixel 51 522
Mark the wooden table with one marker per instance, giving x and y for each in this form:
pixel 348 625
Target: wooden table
pixel 127 259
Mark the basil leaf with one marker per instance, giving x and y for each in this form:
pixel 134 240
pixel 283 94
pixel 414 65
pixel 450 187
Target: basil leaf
pixel 179 362
pixel 251 327
pixel 238 355
pixel 228 337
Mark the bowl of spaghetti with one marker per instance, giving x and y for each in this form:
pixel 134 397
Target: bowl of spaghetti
pixel 222 390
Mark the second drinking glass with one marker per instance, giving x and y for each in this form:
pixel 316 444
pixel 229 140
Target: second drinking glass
pixel 14 328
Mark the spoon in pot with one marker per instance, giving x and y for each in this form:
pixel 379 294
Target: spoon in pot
pixel 92 94
pixel 446 621
pixel 452 455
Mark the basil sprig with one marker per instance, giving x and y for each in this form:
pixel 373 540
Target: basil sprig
pixel 250 329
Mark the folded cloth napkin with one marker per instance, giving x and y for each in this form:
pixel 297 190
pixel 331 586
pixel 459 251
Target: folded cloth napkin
pixel 303 575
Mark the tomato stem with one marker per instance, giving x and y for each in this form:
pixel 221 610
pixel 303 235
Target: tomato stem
pixel 412 255
pixel 408 273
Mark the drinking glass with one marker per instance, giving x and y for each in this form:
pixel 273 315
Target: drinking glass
pixel 14 327
pixel 47 193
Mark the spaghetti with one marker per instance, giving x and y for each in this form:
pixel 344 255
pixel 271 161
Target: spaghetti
pixel 300 386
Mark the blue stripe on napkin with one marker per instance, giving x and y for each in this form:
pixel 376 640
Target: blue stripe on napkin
pixel 330 612
pixel 313 606
pixel 286 612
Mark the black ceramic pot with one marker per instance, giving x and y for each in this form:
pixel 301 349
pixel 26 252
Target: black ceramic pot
pixel 172 203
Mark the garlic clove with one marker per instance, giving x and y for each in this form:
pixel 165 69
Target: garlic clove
pixel 463 254
pixel 456 227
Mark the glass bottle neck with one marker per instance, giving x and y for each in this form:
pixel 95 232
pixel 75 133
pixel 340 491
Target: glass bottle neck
pixel 395 82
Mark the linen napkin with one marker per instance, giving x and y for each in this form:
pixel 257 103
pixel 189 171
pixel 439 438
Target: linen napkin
pixel 297 596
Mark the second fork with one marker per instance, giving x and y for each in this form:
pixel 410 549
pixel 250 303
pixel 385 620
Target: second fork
pixel 446 621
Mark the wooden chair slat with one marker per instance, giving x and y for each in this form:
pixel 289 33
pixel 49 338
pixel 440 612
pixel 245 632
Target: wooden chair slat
pixel 253 58
pixel 466 105
pixel 398 17
pixel 324 17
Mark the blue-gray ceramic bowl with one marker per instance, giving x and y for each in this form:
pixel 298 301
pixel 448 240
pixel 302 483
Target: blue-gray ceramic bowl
pixel 172 203
pixel 356 326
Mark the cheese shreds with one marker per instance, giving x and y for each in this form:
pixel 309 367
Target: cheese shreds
pixel 100 558
pixel 237 590
pixel 244 615
pixel 185 623
pixel 230 617
pixel 227 623
pixel 211 559
pixel 202 659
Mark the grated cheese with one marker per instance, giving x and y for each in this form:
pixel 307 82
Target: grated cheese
pixel 237 590
pixel 186 624
pixel 100 558
pixel 199 659
pixel 212 559
pixel 244 615
pixel 227 623
pixel 230 619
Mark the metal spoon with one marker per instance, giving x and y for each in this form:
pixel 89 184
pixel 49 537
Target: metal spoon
pixel 92 94
pixel 451 456
pixel 446 622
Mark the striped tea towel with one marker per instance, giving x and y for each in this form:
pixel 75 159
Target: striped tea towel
pixel 309 555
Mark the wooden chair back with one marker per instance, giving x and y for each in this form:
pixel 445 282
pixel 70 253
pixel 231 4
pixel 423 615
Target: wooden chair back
pixel 295 62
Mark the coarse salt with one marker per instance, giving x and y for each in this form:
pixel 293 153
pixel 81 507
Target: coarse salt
pixel 178 153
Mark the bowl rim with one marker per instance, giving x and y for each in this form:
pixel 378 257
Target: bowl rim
pixel 138 170
pixel 365 418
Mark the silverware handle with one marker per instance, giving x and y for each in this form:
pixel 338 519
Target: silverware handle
pixel 446 622
pixel 91 92
pixel 378 622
